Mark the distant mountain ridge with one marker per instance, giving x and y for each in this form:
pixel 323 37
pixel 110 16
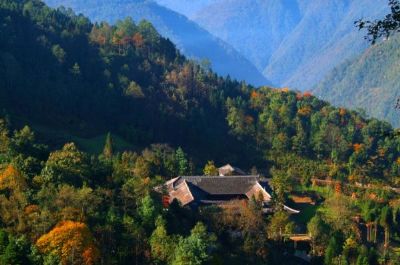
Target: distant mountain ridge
pixel 191 39
pixel 187 7
pixel 246 24
pixel 369 81
pixel 294 43
pixel 324 38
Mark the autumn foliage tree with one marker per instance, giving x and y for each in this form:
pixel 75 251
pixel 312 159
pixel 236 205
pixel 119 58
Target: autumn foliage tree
pixel 69 165
pixel 84 79
pixel 12 179
pixel 210 169
pixel 13 199
pixel 72 242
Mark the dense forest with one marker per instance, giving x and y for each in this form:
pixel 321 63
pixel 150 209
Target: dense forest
pixel 63 204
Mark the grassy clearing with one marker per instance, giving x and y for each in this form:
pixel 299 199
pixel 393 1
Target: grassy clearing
pixel 324 192
pixel 93 145
pixel 307 211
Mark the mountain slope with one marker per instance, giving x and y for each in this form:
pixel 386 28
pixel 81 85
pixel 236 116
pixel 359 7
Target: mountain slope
pixel 370 81
pixel 187 7
pixel 64 206
pixel 324 38
pixel 255 28
pixel 61 71
pixel 293 42
pixel 192 40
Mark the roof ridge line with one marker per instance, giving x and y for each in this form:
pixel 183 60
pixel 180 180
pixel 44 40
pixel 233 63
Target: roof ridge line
pixel 217 176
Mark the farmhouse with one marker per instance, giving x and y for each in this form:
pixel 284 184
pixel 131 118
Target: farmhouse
pixel 195 191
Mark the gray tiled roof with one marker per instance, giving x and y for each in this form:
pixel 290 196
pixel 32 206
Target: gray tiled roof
pixel 223 185
pixel 219 189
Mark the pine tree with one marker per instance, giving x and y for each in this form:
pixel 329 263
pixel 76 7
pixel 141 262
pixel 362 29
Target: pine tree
pixel 76 69
pixel 3 241
pixel 10 255
pixel 332 251
pixel 362 258
pixel 108 147
pixel 161 243
pixel 181 161
pixel 148 211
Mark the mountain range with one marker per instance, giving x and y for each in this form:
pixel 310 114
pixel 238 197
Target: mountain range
pixel 293 42
pixel 116 111
pixel 191 39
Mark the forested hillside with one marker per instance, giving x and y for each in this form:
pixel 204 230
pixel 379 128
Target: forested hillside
pixel 90 79
pixel 60 204
pixel 192 40
pixel 294 43
pixel 369 81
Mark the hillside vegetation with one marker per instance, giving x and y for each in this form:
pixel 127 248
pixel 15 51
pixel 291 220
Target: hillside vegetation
pixel 369 81
pixel 59 204
pixel 129 80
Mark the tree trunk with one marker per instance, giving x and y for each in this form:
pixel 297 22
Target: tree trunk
pixel 370 229
pixel 387 235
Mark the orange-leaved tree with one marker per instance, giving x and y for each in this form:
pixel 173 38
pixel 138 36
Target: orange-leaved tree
pixel 72 242
pixel 12 179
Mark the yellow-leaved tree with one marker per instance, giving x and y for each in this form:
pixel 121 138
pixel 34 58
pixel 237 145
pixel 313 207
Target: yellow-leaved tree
pixel 13 199
pixel 72 242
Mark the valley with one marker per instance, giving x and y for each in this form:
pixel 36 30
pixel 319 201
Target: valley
pixel 117 147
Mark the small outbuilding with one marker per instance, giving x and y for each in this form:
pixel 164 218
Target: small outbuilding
pixel 229 170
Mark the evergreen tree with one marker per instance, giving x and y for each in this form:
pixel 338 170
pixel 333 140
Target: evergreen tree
pixel 11 254
pixel 161 243
pixel 362 258
pixel 76 69
pixel 319 233
pixel 280 225
pixel 194 250
pixel 332 251
pixel 3 241
pixel 385 221
pixel 182 161
pixel 108 150
pixel 148 211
